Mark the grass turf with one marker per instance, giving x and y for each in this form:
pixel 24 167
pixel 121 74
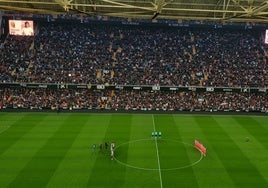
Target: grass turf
pixel 55 150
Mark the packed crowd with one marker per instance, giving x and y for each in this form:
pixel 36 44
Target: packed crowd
pixel 109 54
pixel 126 55
pixel 132 100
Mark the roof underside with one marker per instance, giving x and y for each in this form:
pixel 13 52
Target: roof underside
pixel 216 10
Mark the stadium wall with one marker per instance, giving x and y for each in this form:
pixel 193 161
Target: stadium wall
pixel 225 112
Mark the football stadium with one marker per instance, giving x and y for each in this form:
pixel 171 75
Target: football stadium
pixel 131 94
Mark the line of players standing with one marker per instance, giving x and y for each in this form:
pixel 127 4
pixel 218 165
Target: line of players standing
pixel 105 146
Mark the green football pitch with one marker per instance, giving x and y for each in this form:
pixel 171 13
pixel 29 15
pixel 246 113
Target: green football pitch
pixel 56 150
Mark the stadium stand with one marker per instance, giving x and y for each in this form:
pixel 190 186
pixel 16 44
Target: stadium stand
pixel 26 98
pixel 118 55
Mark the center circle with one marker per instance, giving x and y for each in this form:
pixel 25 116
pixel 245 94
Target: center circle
pixel 147 154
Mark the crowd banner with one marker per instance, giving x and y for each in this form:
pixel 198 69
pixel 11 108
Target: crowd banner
pixel 135 87
pixel 200 147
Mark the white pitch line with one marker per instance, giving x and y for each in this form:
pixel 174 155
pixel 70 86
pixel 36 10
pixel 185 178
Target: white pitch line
pixel 156 169
pixel 159 167
pixel 4 129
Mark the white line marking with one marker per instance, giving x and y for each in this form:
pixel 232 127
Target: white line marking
pixel 156 146
pixel 4 128
pixel 154 169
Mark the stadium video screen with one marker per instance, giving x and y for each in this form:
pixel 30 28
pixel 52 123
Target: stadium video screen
pixel 21 27
pixel 266 37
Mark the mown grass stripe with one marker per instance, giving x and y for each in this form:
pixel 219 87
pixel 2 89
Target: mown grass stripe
pixel 254 128
pixel 140 154
pixel 9 118
pixel 76 167
pixel 254 150
pixel 262 120
pixel 118 131
pixel 14 159
pixel 210 165
pixel 184 178
pixel 157 154
pixel 18 129
pixel 42 166
pixel 242 172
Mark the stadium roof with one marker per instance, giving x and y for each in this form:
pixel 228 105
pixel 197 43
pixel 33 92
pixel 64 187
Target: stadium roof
pixel 215 10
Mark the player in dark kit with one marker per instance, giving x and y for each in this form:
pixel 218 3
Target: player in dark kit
pixel 100 146
pixel 106 145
